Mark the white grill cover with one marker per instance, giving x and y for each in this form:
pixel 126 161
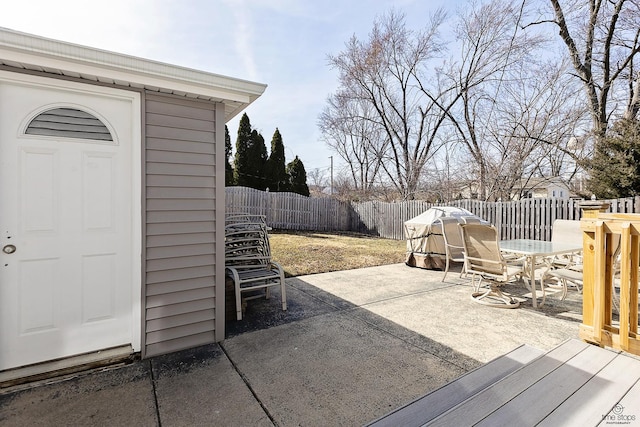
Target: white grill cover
pixel 425 244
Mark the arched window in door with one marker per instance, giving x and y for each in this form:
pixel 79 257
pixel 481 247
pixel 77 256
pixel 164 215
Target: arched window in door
pixel 69 123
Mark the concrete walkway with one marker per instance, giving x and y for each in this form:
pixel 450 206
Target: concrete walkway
pixel 353 346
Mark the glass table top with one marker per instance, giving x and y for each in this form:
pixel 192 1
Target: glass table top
pixel 538 247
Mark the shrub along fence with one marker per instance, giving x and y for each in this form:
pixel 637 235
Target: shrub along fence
pixel 522 219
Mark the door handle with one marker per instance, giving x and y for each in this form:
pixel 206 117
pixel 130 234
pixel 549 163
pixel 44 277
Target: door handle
pixel 9 249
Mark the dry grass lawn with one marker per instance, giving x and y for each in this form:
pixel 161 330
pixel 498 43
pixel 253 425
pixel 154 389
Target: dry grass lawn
pixel 305 252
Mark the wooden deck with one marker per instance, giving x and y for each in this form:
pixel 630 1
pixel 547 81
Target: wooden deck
pixel 574 384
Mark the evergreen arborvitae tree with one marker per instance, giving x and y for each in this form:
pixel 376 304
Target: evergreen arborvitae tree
pixel 251 157
pixel 615 167
pixel 258 161
pixel 241 172
pixel 228 169
pixel 277 177
pixel 298 177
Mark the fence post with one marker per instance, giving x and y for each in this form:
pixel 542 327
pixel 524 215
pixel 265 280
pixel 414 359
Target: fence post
pixel 590 212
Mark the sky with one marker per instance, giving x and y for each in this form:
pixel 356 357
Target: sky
pixel 281 43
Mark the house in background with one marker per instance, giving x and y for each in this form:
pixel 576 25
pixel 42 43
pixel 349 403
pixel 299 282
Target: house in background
pixel 111 201
pixel 543 187
pixel 535 187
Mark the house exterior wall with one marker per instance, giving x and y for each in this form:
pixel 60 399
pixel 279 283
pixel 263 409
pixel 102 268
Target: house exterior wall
pixel 539 192
pixel 178 203
pixel 558 191
pixel 183 293
pixel 182 214
pixel 550 190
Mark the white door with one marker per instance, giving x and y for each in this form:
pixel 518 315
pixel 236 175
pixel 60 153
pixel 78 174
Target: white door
pixel 66 274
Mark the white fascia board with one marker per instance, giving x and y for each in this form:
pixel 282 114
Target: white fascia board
pixel 47 53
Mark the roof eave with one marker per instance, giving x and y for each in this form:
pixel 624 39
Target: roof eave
pixel 29 51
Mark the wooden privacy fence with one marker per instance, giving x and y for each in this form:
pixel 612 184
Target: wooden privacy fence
pixel 290 211
pixel 522 219
pixel 611 260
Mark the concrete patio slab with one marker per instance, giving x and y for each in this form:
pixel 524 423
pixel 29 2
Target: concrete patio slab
pixel 334 369
pixel 450 318
pixel 301 304
pixel 352 346
pixel 368 285
pixel 111 397
pixel 417 302
pixel 201 387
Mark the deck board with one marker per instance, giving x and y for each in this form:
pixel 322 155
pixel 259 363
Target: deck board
pixel 599 395
pixel 444 398
pixel 533 404
pixel 629 403
pixel 492 398
pixel 574 384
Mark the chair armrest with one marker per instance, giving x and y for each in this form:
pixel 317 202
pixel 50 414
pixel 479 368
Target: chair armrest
pixel 277 267
pixel 514 261
pixel 564 260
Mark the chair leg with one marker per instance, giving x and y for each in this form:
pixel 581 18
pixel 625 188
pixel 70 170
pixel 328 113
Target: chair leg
pixel 544 294
pixel 463 271
pixel 479 285
pixel 283 294
pixel 283 291
pixel 476 286
pixel 446 267
pixel 564 284
pixel 236 285
pixel 238 302
pixel 565 288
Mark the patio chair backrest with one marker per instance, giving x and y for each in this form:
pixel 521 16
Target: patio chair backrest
pixel 482 249
pixel 470 220
pixel 452 237
pixel 566 230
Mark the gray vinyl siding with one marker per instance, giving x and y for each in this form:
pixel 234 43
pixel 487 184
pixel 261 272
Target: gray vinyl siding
pixel 181 300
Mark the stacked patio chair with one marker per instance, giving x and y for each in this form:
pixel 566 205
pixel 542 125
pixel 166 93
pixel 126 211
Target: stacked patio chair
pixel 248 259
